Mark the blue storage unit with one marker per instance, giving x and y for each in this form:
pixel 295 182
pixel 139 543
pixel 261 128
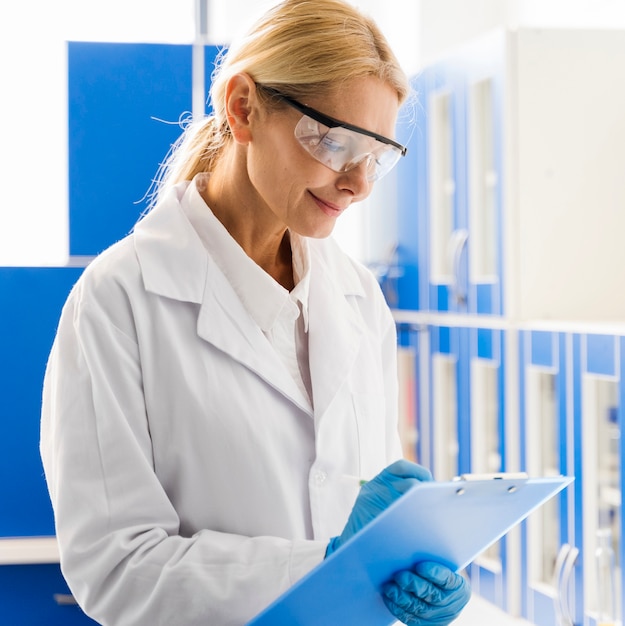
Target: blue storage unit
pixel 411 254
pixel 459 179
pixel 599 392
pixel 37 595
pixel 486 400
pixel 413 423
pixel 125 104
pixel 449 419
pixel 442 170
pixel 548 536
pixel 31 300
pixel 505 240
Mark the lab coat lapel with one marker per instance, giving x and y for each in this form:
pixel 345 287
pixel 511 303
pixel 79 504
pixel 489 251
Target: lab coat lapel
pixel 335 329
pixel 224 322
pixel 175 264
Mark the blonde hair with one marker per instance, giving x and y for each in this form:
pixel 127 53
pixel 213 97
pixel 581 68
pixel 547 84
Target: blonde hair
pixel 303 47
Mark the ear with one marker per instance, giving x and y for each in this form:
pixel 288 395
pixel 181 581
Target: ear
pixel 240 101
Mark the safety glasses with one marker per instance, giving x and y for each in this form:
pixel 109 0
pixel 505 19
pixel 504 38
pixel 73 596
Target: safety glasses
pixel 342 146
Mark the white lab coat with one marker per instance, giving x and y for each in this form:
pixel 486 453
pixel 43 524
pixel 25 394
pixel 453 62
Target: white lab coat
pixel 190 483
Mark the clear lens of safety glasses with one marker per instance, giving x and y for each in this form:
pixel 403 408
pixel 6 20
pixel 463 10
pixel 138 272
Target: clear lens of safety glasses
pixel 342 149
pixel 339 145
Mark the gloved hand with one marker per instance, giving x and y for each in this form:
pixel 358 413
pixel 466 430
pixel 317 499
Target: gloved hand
pixel 377 494
pixel 429 595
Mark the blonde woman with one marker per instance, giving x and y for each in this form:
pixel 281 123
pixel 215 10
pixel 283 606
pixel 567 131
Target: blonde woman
pixel 219 374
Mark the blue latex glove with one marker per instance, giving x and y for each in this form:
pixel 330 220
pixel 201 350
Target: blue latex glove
pixel 377 494
pixel 429 595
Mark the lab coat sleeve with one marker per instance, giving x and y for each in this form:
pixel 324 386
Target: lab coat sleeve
pixel 118 532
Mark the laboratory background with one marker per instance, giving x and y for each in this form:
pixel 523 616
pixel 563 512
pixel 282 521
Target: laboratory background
pixel 498 242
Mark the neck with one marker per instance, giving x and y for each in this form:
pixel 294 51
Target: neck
pixel 251 224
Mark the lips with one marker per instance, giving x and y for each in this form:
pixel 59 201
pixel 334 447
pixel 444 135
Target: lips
pixel 329 208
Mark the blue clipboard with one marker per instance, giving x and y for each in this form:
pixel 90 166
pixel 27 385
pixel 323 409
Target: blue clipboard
pixel 450 522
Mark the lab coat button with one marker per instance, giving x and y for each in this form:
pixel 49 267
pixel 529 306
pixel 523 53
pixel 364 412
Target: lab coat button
pixel 320 477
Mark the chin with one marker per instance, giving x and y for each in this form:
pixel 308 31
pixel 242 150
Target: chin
pixel 320 232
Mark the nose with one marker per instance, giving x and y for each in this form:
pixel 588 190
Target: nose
pixel 357 179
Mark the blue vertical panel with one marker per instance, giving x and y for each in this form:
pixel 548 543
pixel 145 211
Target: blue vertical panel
pixel 576 393
pixel 542 348
pixel 482 300
pixel 621 420
pixel 600 354
pixel 445 77
pixel 550 352
pixel 484 60
pixel 211 56
pixel 485 343
pixel 566 425
pixel 464 399
pixel 524 355
pixel 411 176
pixel 30 304
pixel 124 104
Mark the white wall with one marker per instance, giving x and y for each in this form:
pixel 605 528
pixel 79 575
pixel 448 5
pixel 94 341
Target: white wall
pixel 33 210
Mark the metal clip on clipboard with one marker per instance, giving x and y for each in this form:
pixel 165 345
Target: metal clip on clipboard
pixel 429 522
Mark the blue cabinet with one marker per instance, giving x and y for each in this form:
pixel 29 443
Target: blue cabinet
pixel 549 542
pixel 487 443
pixel 126 105
pixel 459 126
pixel 599 394
pixel 509 254
pixel 413 423
pixel 449 424
pixel 31 300
pixel 37 595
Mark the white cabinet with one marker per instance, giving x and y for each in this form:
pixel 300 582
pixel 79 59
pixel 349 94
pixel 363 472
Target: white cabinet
pixel 523 170
pixel 511 210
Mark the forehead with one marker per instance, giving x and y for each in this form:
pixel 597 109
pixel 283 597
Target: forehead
pixel 366 102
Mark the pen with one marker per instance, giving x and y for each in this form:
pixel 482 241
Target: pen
pixel 360 481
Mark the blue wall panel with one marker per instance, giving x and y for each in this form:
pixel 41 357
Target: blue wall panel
pixel 31 300
pixel 119 96
pixel 411 228
pixel 600 354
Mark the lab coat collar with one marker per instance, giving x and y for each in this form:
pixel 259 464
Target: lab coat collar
pixel 175 264
pixel 262 296
pixel 170 253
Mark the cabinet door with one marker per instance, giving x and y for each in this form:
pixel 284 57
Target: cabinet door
pixel 548 544
pixel 443 100
pixel 488 571
pixel 405 271
pixel 412 428
pixel 30 306
pixel 37 595
pixel 483 64
pixel 126 104
pixel 449 401
pixel 598 365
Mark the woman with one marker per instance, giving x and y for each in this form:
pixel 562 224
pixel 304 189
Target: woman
pixel 219 375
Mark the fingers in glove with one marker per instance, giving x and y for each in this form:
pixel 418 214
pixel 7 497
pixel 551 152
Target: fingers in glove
pixel 440 575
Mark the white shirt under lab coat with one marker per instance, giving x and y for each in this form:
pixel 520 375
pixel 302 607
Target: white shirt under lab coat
pixel 192 483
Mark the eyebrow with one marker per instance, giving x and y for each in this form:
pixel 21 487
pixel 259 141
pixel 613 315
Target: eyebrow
pixel 328 121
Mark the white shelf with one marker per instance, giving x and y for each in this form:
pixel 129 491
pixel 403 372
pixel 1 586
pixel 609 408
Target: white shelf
pixel 21 551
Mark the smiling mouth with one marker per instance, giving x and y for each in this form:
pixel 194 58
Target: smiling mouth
pixel 328 208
